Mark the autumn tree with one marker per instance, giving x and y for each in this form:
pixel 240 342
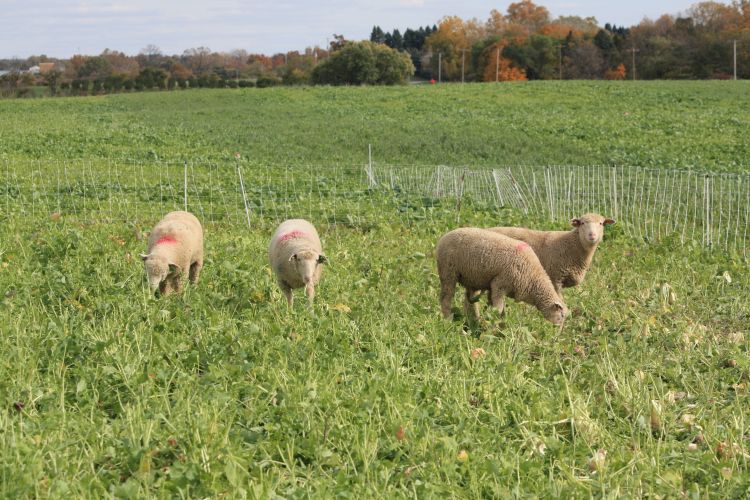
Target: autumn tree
pixel 121 64
pixel 497 23
pixel 149 56
pixel 497 67
pixel 617 73
pixel 584 61
pixel 447 42
pixel 199 59
pixel 95 68
pixel 528 15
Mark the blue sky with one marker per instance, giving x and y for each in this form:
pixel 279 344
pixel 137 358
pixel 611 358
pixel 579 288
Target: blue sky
pixel 60 28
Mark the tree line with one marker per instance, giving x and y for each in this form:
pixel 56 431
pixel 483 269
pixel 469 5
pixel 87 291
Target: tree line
pixel 524 43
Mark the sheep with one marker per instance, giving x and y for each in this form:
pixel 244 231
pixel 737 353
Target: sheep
pixel 296 255
pixel 565 255
pixel 174 245
pixel 483 260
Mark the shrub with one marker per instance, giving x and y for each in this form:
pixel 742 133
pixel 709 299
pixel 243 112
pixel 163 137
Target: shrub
pixel 267 81
pixel 364 63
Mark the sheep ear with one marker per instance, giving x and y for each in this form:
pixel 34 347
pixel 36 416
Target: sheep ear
pixel 558 305
pixel 322 259
pixel 293 257
pixel 607 222
pixel 174 269
pixel 144 256
pixel 575 222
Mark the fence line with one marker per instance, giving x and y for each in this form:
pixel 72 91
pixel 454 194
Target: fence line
pixel 711 209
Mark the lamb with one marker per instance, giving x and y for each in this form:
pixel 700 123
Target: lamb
pixel 174 246
pixel 483 260
pixel 296 255
pixel 565 255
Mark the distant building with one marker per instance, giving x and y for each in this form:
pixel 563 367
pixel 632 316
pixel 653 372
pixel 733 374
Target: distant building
pixel 34 70
pixel 4 72
pixel 46 67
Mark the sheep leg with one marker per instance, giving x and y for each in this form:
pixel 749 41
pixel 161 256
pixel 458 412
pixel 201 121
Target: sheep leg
pixel 310 292
pixel 447 290
pixel 287 293
pixel 195 271
pixel 471 304
pixel 177 283
pixel 165 287
pixel 497 296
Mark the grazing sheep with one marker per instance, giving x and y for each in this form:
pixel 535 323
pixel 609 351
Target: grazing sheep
pixel 565 255
pixel 174 245
pixel 483 260
pixel 295 254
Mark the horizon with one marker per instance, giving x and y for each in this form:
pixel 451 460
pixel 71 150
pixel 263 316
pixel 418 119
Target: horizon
pixel 42 27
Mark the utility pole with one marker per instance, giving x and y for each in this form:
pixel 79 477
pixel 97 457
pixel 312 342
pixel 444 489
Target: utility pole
pixel 463 54
pixel 440 67
pixel 735 58
pixel 634 50
pixel 559 58
pixel 497 65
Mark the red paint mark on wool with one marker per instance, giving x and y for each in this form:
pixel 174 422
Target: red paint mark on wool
pixel 520 247
pixel 292 234
pixel 165 239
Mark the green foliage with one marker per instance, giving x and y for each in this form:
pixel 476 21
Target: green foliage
pixel 699 125
pixel 223 390
pixel 537 56
pixel 107 391
pixel 364 63
pixel 267 81
pixel 150 78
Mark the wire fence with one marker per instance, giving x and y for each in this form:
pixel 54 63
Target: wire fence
pixel 712 209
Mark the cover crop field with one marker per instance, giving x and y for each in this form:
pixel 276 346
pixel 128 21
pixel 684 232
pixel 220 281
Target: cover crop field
pixel 106 390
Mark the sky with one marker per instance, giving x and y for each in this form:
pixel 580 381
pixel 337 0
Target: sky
pixel 62 28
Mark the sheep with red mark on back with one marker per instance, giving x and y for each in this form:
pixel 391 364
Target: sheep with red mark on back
pixel 296 255
pixel 175 247
pixel 482 260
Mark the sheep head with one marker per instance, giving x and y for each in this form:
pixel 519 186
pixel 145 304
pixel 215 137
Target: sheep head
pixel 590 228
pixel 157 269
pixel 306 263
pixel 556 313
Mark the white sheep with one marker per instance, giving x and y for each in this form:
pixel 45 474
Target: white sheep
pixel 296 255
pixel 482 260
pixel 174 246
pixel 565 255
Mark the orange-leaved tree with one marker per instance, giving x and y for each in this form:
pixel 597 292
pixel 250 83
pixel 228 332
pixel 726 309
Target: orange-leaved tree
pixel 617 73
pixel 529 15
pixel 446 44
pixel 500 68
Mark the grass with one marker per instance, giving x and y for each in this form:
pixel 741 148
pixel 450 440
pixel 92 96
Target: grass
pixel 107 391
pixel 661 124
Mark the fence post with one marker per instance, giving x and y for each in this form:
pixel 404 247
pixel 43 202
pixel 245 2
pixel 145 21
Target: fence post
pixel 460 194
pixel 370 172
pixel 706 211
pixel 186 186
pixel 242 188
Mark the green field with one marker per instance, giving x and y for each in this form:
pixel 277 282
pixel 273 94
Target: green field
pixel 699 125
pixel 108 391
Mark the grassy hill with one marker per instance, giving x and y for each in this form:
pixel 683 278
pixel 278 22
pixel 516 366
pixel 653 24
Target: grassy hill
pixel 661 124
